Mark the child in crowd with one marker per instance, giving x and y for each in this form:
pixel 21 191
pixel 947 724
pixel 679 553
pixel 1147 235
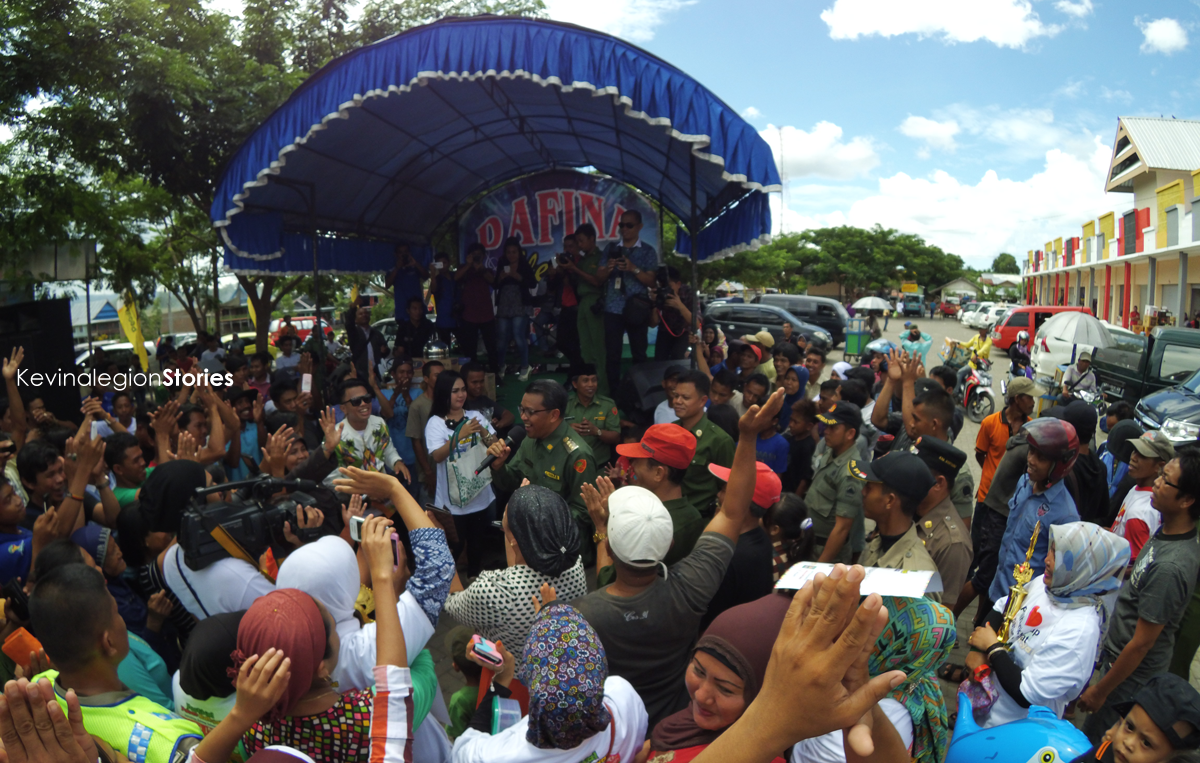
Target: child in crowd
pixel 1161 722
pixel 771 449
pixel 790 529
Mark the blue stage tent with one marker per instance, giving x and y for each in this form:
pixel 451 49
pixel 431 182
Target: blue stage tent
pixel 388 142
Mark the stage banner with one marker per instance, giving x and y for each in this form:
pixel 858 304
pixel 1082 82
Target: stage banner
pixel 540 209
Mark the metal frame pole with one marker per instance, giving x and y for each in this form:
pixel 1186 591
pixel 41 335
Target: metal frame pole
pixel 317 325
pixel 694 229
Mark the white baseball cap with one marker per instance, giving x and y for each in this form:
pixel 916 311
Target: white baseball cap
pixel 639 527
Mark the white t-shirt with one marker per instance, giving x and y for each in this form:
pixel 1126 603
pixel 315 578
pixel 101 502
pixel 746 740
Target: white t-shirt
pixel 205 713
pixel 830 748
pixel 1055 648
pixel 356 655
pixel 226 585
pixel 436 435
pixel 664 413
pixel 1137 506
pixel 628 731
pixel 286 361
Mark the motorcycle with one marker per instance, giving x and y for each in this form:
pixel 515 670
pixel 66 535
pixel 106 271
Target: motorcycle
pixel 1094 399
pixel 977 397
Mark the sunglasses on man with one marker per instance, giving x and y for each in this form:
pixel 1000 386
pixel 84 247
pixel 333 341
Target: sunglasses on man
pixel 357 401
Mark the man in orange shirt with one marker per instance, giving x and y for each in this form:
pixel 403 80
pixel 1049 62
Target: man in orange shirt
pixel 995 430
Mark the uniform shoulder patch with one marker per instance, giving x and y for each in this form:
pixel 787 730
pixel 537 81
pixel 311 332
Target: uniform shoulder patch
pixel 581 465
pixel 570 445
pixel 614 410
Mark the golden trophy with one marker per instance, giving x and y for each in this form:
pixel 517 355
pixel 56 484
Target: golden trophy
pixel 1022 574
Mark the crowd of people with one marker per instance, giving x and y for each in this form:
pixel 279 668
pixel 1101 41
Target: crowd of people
pixel 610 575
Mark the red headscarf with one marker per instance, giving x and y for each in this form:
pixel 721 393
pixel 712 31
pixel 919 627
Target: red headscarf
pixel 288 620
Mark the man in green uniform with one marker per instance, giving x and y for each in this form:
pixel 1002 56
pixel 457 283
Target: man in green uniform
pixel 713 445
pixel 552 454
pixel 593 416
pixel 946 538
pixel 895 486
pixel 591 280
pixel 835 497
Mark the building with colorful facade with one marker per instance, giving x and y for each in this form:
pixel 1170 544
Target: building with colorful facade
pixel 1147 258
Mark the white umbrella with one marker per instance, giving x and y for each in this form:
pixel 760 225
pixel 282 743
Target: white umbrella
pixel 1077 328
pixel 871 303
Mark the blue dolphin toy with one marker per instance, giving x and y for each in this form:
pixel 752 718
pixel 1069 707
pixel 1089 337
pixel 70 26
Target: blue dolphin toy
pixel 1039 738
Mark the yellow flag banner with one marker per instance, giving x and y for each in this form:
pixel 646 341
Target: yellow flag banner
pixel 250 309
pixel 132 329
pixel 354 292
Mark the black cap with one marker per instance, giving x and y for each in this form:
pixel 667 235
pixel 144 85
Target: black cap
pixel 1083 417
pixel 843 413
pixel 940 456
pixel 926 384
pixel 1168 699
pixel 902 472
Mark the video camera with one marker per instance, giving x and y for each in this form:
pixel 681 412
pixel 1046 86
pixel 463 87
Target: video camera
pixel 662 285
pixel 252 520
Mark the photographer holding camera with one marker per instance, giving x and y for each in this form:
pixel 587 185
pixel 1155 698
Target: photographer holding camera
pixel 563 283
pixel 589 284
pixel 473 311
pixel 673 304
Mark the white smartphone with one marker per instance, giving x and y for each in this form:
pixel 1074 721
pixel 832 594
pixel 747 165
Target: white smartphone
pixel 356 524
pixel 305 384
pixel 438 265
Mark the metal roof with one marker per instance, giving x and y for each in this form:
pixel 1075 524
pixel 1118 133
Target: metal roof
pixel 1165 144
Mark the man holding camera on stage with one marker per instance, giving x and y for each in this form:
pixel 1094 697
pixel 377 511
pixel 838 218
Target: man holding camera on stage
pixel 629 266
pixel 674 303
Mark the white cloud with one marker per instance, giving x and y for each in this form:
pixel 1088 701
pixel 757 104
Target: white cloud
pixel 1006 23
pixel 1164 36
pixel 1124 96
pixel 633 20
pixel 821 152
pixel 1079 9
pixel 934 134
pixel 1026 134
pixel 976 221
pixel 751 113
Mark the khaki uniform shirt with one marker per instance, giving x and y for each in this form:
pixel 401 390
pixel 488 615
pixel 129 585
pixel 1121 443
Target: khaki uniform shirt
pixel 561 462
pixel 908 553
pixel 835 492
pixel 949 545
pixel 962 493
pixel 603 413
pixel 713 446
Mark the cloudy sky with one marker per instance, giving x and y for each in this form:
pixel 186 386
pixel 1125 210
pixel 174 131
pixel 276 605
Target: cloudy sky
pixel 982 125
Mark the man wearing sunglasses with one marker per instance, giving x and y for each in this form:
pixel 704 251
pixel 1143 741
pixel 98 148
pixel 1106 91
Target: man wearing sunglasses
pixel 629 267
pixel 365 440
pixel 552 455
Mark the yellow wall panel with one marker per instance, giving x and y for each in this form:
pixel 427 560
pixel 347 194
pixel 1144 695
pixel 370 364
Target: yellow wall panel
pixel 1168 196
pixel 1107 228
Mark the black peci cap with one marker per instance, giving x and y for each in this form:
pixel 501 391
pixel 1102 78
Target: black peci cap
pixel 940 456
pixel 1168 699
pixel 902 472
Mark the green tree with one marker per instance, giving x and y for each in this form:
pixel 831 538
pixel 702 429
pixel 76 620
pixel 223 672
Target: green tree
pixel 1005 263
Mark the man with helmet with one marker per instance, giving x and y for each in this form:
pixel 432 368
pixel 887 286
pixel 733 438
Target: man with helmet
pixel 1020 354
pixel 1041 497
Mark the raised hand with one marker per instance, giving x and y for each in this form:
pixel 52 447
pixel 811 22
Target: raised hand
pixel 377 547
pixel 35 729
pixel 549 595
pixel 895 365
pixel 331 429
pixel 758 419
pixel 355 509
pixel 186 448
pixel 307 518
pixel 597 504
pixel 13 364
pixel 261 682
pixel 159 607
pixel 376 485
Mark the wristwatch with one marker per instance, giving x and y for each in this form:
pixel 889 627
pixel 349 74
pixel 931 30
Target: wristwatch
pixel 599 536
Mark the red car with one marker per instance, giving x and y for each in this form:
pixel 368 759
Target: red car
pixel 948 309
pixel 1028 318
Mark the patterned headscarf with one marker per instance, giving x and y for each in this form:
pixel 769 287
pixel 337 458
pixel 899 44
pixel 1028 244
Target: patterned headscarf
pixel 1089 563
pixel 919 636
pixel 564 667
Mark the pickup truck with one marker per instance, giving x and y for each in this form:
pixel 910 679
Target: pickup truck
pixel 1137 366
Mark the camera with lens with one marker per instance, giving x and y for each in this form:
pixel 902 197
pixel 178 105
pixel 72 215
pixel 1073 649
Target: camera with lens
pixel 662 285
pixel 252 520
pixel 562 258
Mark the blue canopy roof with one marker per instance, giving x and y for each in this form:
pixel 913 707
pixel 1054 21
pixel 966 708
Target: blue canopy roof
pixel 387 141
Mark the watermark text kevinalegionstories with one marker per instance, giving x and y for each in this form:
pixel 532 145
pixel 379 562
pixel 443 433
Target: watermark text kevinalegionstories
pixel 121 381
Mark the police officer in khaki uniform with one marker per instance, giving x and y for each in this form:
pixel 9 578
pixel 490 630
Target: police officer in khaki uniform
pixel 552 454
pixel 895 486
pixel 835 497
pixel 946 538
pixel 593 416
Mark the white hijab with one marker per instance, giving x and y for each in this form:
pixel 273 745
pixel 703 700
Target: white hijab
pixel 326 570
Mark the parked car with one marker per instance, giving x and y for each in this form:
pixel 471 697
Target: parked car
pixel 736 320
pixel 1026 318
pixel 991 316
pixel 970 311
pixel 186 337
pixel 1174 410
pixel 827 313
pixel 1140 365
pixel 1052 348
pixel 948 309
pixel 912 304
pixel 303 323
pixel 120 353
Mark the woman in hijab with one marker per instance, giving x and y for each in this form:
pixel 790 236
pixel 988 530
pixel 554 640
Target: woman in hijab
pixel 725 674
pixel 576 710
pixel 168 491
pixel 919 636
pixel 1055 636
pixel 202 689
pixel 795 380
pixel 839 370
pixel 541 544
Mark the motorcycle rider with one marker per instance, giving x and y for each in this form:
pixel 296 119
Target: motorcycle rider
pixel 1078 378
pixel 1019 353
pixel 980 347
